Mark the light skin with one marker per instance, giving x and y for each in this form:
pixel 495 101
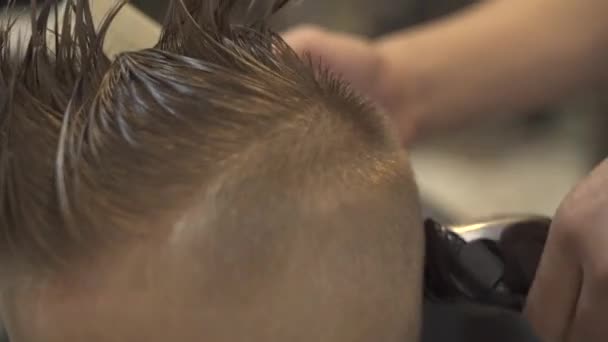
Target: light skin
pixel 508 57
pixel 569 300
pixel 518 54
pixel 323 282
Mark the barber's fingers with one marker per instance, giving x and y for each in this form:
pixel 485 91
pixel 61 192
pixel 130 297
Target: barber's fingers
pixel 340 51
pixel 590 324
pixel 571 288
pixel 349 56
pixel 588 212
pixel 358 61
pixel 553 298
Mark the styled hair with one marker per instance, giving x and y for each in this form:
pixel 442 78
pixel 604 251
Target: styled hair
pixel 95 152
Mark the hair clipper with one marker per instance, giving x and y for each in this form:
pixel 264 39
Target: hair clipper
pixel 491 262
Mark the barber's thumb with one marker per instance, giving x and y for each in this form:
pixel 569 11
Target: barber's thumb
pixel 307 39
pixel 351 57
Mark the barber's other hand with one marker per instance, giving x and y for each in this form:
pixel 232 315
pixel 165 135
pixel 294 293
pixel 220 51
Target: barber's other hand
pixel 569 299
pixel 357 61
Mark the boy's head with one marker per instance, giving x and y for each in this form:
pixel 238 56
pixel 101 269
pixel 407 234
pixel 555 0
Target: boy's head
pixel 212 188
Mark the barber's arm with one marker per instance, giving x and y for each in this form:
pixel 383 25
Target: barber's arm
pixel 498 56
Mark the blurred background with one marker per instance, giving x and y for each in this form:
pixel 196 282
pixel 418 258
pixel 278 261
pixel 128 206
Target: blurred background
pixel 521 165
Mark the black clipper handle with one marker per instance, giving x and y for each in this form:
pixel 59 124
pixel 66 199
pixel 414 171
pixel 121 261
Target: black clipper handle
pixel 491 263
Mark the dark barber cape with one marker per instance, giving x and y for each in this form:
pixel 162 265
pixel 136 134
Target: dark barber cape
pixel 473 323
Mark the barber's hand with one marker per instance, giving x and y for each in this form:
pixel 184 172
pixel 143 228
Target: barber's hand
pixel 356 60
pixel 569 299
